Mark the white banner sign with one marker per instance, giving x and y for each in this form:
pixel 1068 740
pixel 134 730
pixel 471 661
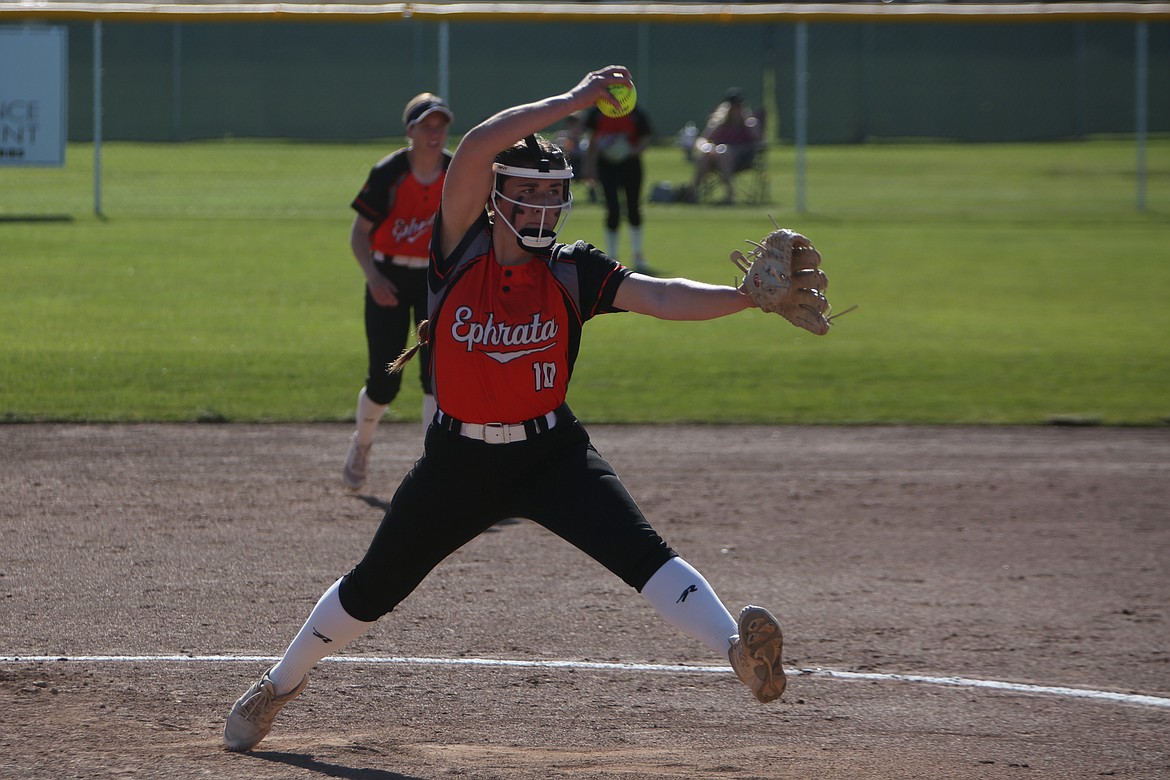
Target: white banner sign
pixel 33 96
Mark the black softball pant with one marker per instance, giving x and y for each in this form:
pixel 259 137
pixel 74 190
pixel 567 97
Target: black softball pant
pixel 624 178
pixel 461 487
pixel 389 328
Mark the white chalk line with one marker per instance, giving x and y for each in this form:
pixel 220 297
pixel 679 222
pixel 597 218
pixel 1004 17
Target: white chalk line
pixel 954 682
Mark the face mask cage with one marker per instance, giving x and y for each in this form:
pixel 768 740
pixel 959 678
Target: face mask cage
pixel 552 217
pixel 541 237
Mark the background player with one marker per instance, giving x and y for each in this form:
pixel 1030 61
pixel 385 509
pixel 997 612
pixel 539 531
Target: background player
pixel 507 308
pixel 615 159
pixel 390 238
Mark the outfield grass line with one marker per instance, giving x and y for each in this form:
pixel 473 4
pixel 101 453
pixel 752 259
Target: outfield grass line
pixel 953 682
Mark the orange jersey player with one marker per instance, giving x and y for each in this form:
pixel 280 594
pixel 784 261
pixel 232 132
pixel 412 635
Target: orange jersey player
pixel 507 304
pixel 390 237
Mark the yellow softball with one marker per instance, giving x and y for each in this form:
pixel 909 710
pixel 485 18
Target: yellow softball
pixel 626 96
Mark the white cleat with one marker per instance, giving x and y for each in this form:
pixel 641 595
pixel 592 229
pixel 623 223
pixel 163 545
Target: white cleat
pixel 356 460
pixel 251 717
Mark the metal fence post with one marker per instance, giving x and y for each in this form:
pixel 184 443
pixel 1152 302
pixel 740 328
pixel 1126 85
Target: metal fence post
pixel 445 59
pixel 97 118
pixel 1142 96
pixel 801 110
pixel 176 81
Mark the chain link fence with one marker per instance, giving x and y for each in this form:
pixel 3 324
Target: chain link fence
pixel 342 84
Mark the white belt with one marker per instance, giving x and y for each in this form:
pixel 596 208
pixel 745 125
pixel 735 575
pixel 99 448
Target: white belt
pixel 497 433
pixel 406 261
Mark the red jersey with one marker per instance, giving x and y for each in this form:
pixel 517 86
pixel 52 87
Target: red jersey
pixel 504 339
pixel 634 125
pixel 400 206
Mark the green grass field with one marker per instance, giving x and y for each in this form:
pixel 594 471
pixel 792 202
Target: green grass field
pixel 996 284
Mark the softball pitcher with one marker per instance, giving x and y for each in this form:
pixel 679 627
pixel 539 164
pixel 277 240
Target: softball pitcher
pixel 506 307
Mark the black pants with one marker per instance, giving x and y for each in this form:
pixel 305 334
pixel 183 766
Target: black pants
pixel 461 487
pixel 621 179
pixel 390 328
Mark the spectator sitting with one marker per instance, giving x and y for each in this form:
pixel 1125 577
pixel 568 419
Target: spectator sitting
pixel 728 143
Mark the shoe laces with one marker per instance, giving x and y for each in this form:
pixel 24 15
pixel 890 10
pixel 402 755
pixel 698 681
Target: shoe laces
pixel 259 702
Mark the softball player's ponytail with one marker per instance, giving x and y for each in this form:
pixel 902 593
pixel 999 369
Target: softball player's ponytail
pixel 422 336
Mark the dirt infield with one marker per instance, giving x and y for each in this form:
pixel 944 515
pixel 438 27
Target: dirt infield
pixel 165 563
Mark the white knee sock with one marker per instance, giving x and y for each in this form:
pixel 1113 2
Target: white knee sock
pixel 368 415
pixel 636 246
pixel 429 407
pixel 611 243
pixel 328 629
pixel 687 602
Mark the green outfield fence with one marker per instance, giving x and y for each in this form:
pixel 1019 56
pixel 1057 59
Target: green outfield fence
pixel 173 72
pixel 197 71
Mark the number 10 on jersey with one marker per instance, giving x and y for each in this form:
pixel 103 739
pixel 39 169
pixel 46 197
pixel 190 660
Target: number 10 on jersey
pixel 545 375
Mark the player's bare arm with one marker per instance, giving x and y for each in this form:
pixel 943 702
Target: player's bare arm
pixel 383 290
pixel 679 299
pixel 470 176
